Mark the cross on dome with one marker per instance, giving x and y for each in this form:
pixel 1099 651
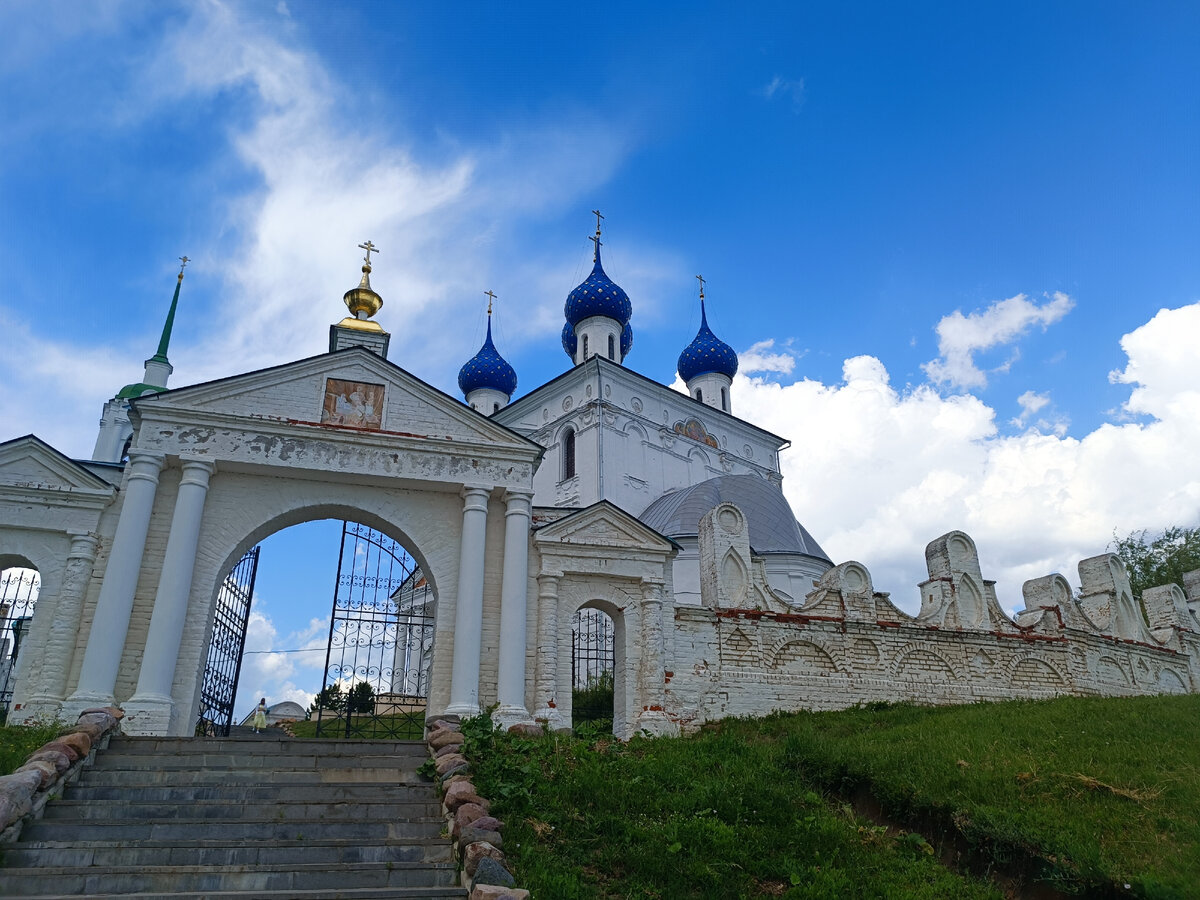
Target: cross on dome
pixel 370 248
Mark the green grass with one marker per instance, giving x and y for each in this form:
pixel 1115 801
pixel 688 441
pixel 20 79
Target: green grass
pixel 714 816
pixel 18 741
pixel 1084 794
pixel 1100 791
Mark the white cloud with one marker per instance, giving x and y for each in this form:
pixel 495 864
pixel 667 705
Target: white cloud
pixel 273 668
pixel 759 359
pixel 960 337
pixel 785 88
pixel 876 474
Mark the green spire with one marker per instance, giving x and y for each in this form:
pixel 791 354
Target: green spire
pixel 161 355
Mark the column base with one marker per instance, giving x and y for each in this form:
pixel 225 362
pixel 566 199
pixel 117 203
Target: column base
pixel 656 723
pixel 147 714
pixel 37 708
pixel 465 710
pixel 553 718
pixel 508 716
pixel 81 700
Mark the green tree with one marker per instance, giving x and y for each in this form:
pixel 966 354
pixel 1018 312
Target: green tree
pixel 1152 561
pixel 361 698
pixel 330 699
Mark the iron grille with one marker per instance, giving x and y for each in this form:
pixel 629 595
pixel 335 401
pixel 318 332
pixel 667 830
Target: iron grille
pixel 593 668
pixel 380 641
pixel 19 590
pixel 224 666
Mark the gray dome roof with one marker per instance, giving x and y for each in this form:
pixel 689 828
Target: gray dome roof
pixel 773 527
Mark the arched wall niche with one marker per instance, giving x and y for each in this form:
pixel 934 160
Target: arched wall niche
pixel 617 614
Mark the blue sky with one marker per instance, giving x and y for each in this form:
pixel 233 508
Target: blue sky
pixel 867 186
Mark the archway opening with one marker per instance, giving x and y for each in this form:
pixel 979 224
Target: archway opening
pixel 19 588
pixel 332 622
pixel 593 670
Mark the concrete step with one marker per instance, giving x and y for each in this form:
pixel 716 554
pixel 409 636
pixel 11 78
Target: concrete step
pixel 128 830
pixel 225 853
pixel 132 762
pixel 189 792
pixel 25 882
pixel 157 746
pixel 295 811
pixel 149 777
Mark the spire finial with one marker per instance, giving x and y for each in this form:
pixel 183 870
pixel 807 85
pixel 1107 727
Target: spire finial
pixel 183 261
pixel 700 278
pixel 370 248
pixel 491 296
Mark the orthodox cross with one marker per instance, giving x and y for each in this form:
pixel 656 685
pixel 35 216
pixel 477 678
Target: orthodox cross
pixel 370 248
pixel 490 297
pixel 183 261
pixel 596 213
pixel 700 278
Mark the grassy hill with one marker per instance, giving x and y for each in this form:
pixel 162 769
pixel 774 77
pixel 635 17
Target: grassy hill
pixel 1096 797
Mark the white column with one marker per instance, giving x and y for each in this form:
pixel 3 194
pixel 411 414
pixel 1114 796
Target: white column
pixel 547 653
pixel 46 700
pixel 653 716
pixel 514 589
pixel 149 709
pixel 468 615
pixel 106 641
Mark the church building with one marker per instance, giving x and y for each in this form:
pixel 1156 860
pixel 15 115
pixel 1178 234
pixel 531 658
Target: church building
pixel 599 500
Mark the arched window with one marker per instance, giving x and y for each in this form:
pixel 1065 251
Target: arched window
pixel 568 465
pixel 495 407
pixel 612 347
pixel 585 347
pixel 125 449
pixel 699 395
pixel 724 400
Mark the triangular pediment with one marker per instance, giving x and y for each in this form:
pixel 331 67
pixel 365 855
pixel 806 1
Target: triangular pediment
pixel 604 524
pixel 350 390
pixel 31 462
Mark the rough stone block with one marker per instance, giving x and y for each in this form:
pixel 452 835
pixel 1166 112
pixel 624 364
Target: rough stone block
pixel 492 872
pixel 446 750
pixel 57 758
pixel 445 763
pixel 440 739
pixel 470 834
pixel 80 743
pixel 497 892
pixel 47 770
pixel 473 853
pixel 488 823
pixel 527 729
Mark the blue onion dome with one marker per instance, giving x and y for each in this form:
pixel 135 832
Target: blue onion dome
pixel 569 341
pixel 706 353
pixel 626 340
pixel 599 295
pixel 487 369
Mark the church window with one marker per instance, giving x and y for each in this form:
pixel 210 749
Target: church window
pixel 699 395
pixel 569 454
pixel 495 407
pixel 724 400
pixel 612 350
pixel 585 347
pixel 125 449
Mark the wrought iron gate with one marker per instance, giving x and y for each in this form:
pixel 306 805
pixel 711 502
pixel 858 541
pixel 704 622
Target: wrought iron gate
pixel 380 641
pixel 18 596
pixel 593 668
pixel 219 686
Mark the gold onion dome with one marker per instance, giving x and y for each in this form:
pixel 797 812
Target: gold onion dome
pixel 362 301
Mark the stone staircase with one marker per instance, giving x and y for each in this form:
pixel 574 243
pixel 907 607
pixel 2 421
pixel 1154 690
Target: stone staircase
pixel 226 818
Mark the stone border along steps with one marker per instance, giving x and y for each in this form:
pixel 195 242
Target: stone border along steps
pixel 476 834
pixel 230 818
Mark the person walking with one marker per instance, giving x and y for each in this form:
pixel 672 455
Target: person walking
pixel 260 716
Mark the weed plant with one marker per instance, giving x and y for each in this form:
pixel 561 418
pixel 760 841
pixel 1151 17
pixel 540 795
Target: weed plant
pixel 716 816
pixel 18 741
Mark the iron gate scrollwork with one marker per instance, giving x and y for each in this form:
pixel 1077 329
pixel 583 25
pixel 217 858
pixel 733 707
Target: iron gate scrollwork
pixel 19 590
pixel 593 668
pixel 218 688
pixel 380 641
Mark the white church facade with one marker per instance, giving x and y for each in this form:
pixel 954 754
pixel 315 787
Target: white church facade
pixel 601 489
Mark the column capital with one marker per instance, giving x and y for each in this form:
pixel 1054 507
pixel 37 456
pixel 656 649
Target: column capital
pixel 548 580
pixel 144 465
pixel 475 496
pixel 197 471
pixel 84 545
pixel 518 503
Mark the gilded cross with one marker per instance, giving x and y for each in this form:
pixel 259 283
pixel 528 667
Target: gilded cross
pixel 490 297
pixel 700 278
pixel 596 213
pixel 183 261
pixel 370 248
